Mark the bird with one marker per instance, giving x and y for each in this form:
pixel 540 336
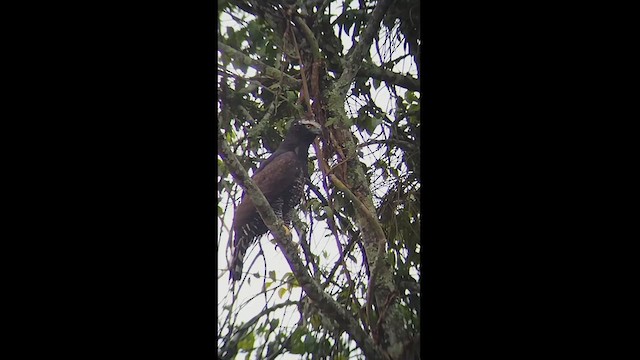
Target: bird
pixel 281 179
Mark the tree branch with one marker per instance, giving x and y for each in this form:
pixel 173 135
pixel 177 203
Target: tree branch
pixel 354 61
pixel 290 250
pixel 373 222
pixel 396 142
pixel 405 81
pixel 379 234
pixel 308 34
pixel 372 71
pixel 272 72
pixel 230 349
pixel 344 254
pixel 302 235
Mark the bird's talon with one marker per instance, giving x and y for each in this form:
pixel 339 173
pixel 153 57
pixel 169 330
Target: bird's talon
pixel 287 232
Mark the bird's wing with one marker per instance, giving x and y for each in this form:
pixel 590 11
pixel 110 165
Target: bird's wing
pixel 274 178
pixel 266 162
pixel 277 175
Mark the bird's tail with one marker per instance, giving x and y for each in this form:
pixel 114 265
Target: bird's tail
pixel 237 259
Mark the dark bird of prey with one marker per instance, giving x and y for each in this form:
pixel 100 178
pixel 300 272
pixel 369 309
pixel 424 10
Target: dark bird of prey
pixel 281 179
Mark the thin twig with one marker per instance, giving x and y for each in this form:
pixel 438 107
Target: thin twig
pixel 380 238
pixel 269 70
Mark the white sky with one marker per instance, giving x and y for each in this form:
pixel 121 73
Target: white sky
pixel 275 260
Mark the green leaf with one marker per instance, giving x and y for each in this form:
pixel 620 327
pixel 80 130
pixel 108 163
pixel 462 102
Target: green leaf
pixel 348 24
pixel 375 84
pixel 316 321
pixel 247 342
pixel 272 275
pixel 343 295
pixel 275 87
pixel 221 168
pixel 261 329
pixel 274 323
pixel 371 123
pixel 291 96
pixel 310 343
pixel 314 204
pixel 229 136
pixel 297 347
pixel 281 292
pixel 290 279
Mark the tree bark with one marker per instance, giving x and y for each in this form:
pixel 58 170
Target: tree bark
pixel 389 330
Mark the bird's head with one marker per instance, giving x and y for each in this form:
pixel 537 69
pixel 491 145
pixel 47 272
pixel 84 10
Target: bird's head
pixel 305 129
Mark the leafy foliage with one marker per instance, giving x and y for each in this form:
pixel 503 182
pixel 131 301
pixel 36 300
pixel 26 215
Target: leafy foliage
pixel 263 53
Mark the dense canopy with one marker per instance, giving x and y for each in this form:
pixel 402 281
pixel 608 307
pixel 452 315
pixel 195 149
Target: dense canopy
pixel 346 283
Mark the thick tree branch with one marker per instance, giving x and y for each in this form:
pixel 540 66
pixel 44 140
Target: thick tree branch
pixel 272 72
pixel 290 250
pixel 372 71
pixel 393 332
pixel 405 81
